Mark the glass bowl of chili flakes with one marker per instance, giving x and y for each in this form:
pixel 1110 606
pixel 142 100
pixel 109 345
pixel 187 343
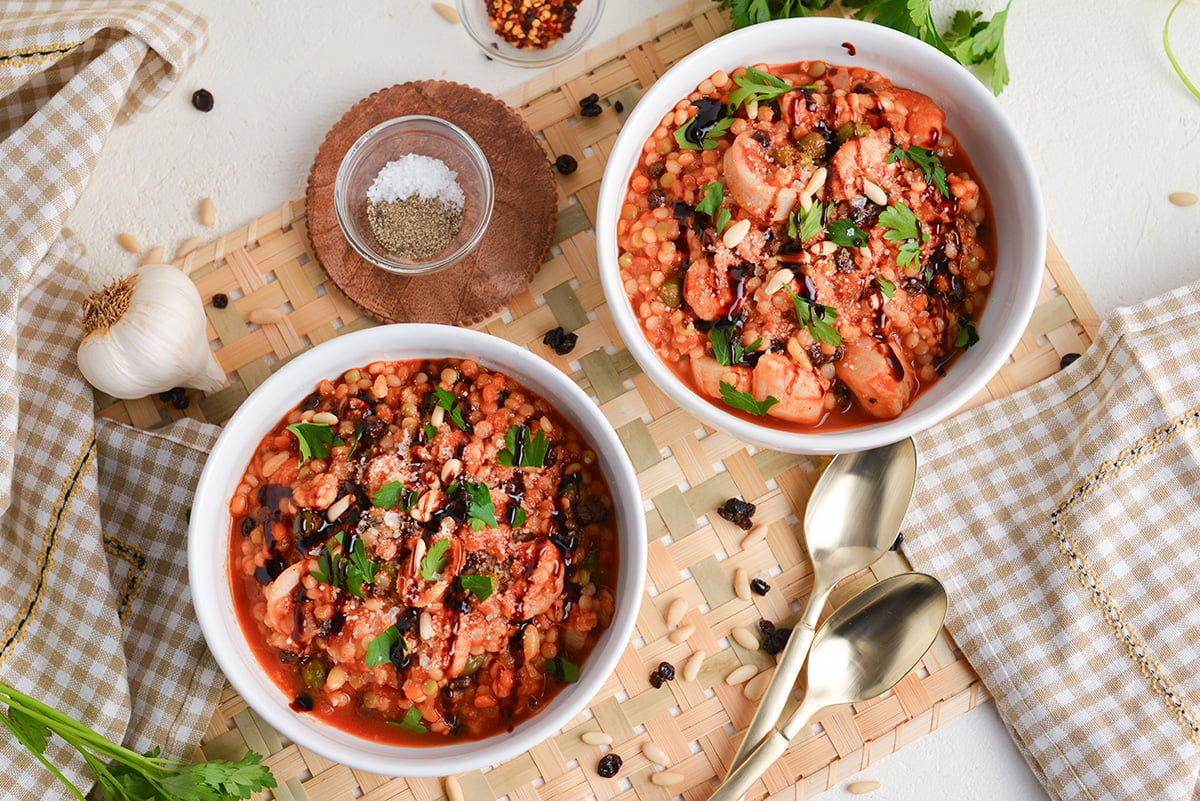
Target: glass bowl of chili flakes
pixel 530 33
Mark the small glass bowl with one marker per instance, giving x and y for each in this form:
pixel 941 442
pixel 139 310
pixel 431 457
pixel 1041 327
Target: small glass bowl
pixel 388 141
pixel 473 14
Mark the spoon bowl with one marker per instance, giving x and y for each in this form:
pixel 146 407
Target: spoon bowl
pixel 863 650
pixel 853 516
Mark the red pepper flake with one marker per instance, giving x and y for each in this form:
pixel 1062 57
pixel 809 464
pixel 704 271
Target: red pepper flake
pixel 531 24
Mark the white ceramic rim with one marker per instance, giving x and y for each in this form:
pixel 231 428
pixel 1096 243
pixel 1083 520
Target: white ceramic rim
pixel 358 241
pixel 1001 338
pixel 554 54
pixel 207 550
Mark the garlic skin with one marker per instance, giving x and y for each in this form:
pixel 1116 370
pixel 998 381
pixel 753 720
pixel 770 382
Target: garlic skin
pixel 146 333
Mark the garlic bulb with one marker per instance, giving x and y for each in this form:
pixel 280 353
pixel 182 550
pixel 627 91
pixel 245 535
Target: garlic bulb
pixel 145 333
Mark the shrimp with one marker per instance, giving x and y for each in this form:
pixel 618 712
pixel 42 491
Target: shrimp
pixel 706 286
pixel 708 375
pixel 921 117
pixel 865 157
pixel 384 469
pixel 316 492
pixel 877 376
pixel 761 187
pixel 280 601
pixel 800 391
pixel 539 582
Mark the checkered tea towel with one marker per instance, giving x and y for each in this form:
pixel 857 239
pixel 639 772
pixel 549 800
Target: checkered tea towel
pixel 95 615
pixel 1065 522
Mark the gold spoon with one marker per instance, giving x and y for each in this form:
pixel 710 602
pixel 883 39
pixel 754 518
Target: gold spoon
pixel 853 516
pixel 865 647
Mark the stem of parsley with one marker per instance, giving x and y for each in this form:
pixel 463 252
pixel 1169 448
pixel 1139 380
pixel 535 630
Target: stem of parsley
pixel 1170 55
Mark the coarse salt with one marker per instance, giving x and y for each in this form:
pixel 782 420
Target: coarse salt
pixel 414 174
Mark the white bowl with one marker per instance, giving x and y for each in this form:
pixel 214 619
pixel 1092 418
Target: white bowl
pixel 986 135
pixel 209 531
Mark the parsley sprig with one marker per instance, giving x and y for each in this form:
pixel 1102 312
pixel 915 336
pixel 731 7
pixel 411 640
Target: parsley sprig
pixel 710 204
pixel 379 650
pixel 435 559
pixel 412 721
pixel 927 161
pixel 521 451
pixel 481 586
pixel 447 400
pixel 123 774
pixel 903 226
pixel 846 233
pixel 967 335
pixel 760 87
pixel 480 509
pixel 737 399
pixel 817 318
pixel 355 566
pixel 393 494
pixel 811 222
pixel 711 137
pixel 727 346
pixel 314 439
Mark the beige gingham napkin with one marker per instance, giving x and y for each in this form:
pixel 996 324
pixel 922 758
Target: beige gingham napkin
pixel 1065 522
pixel 95 615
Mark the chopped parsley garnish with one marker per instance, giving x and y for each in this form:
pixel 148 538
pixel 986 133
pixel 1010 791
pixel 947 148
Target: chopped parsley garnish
pixel 395 493
pixel 967 335
pixel 412 721
pixel 430 432
pixel 521 451
pixel 480 585
pixel 379 650
pixel 356 567
pixel 745 401
pixel 479 505
pixel 314 439
pixel 903 227
pixel 817 318
pixel 710 204
pixel 446 400
pixel 563 669
pixel 927 161
pixel 885 286
pixel 761 87
pixel 435 559
pixel 846 233
pixel 810 223
pixel 727 349
pixel 710 137
pixel 516 516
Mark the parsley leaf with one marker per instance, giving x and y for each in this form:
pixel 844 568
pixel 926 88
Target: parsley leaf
pixel 760 87
pixel 446 400
pixel 392 494
pixel 361 570
pixel 520 451
pixel 846 233
pixel 903 227
pixel 355 567
pixel 563 669
pixel 480 508
pixel 710 204
pixel 885 286
pixel 745 401
pixel 816 318
pixel 412 721
pixel 810 222
pixel 927 161
pixel 710 136
pixel 727 347
pixel 516 516
pixel 314 439
pixel 435 559
pixel 480 585
pixel 430 432
pixel 379 650
pixel 967 335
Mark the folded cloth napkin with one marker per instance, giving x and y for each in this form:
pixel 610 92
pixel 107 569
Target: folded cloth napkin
pixel 1064 521
pixel 95 617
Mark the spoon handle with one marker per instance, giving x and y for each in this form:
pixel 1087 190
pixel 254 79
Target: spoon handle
pixel 741 779
pixel 771 707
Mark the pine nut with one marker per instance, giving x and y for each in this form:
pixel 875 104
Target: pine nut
pixel 741 584
pixel 680 635
pixel 437 416
pixel 655 754
pixel 691 668
pixel 865 252
pixel 740 674
pixel 426 626
pixel 448 12
pixel 208 212
pixel 336 678
pixel 153 256
pixel 735 233
pixel 129 242
pixel 751 109
pixel 1183 198
pixel 264 316
pixel 666 778
pixel 757 686
pixel 418 553
pixel 826 248
pixel 454 791
pixel 596 738
pixel 325 418
pixel 778 280
pixel 862 788
pixel 189 244
pixel 874 193
pixel 676 611
pixel 745 638
pixel 806 201
pixel 451 469
pixel 340 505
pixel 815 183
pixel 756 535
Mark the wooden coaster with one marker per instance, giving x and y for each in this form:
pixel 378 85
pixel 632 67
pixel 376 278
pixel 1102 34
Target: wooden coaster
pixel 518 236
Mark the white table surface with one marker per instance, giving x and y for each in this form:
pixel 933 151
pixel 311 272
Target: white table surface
pixel 1111 130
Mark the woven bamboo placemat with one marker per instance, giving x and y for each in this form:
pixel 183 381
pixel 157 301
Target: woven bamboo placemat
pixel 685 471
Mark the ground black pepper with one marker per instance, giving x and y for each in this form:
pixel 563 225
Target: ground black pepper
pixel 415 227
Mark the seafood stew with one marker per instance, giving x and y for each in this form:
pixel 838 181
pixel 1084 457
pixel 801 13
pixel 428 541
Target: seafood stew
pixel 423 552
pixel 804 244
